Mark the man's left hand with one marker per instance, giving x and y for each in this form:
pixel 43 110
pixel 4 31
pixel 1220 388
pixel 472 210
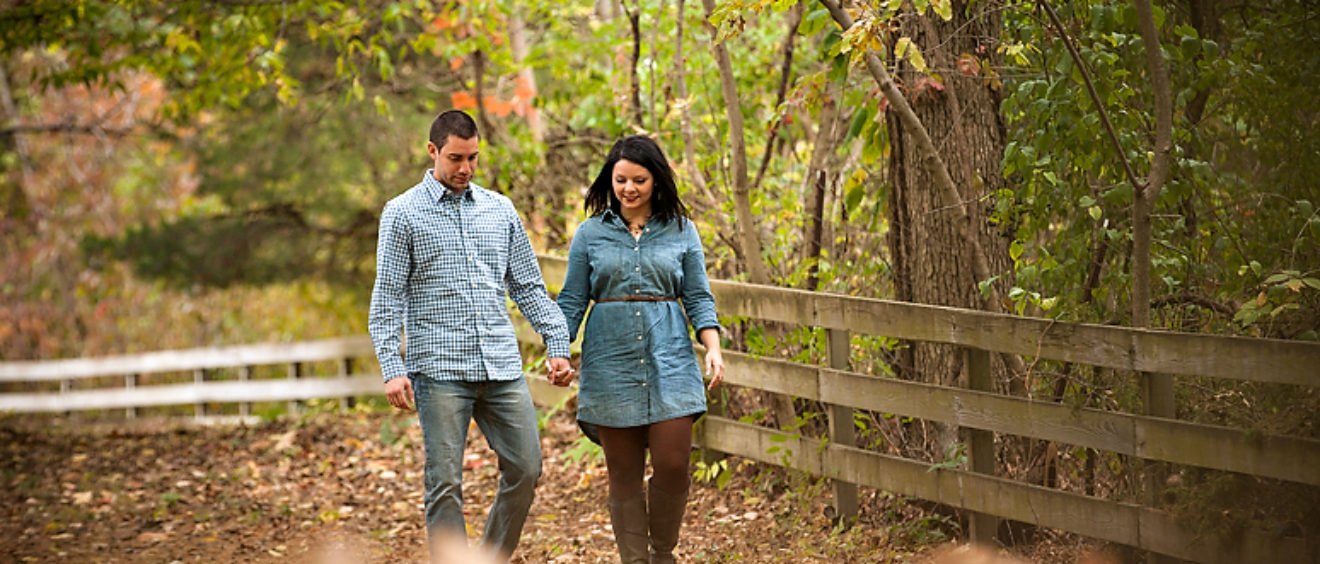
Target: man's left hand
pixel 561 372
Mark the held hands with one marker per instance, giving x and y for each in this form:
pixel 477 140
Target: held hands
pixel 714 367
pixel 561 373
pixel 400 393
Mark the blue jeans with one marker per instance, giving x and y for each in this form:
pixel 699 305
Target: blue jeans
pixel 506 416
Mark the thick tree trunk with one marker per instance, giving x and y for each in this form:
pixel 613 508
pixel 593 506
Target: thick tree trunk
pixel 932 255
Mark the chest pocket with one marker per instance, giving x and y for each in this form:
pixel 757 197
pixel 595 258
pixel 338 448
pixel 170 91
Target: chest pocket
pixel 663 265
pixel 489 241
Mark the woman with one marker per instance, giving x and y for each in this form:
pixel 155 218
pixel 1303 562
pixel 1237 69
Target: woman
pixel 639 257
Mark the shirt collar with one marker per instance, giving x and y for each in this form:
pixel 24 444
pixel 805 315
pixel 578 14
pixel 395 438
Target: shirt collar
pixel 439 193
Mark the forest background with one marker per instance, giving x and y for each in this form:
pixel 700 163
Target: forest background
pixel 184 174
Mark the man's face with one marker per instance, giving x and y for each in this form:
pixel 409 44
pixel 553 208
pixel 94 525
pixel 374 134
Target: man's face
pixel 455 161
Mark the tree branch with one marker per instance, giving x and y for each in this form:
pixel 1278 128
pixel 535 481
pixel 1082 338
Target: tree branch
pixel 1137 184
pixel 1194 299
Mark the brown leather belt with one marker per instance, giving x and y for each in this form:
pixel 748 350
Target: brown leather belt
pixel 638 299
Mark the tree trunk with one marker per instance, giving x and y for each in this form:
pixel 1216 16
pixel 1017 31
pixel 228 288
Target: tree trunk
pixel 685 108
pixel 932 255
pixel 818 182
pixel 526 78
pixel 748 236
pixel 16 206
pixel 785 77
pixel 634 15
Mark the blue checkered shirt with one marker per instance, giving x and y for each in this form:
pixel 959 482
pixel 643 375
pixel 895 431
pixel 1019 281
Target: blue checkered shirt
pixel 444 263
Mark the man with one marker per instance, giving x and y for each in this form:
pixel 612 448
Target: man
pixel 447 253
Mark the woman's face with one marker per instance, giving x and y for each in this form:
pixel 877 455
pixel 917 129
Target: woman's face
pixel 632 186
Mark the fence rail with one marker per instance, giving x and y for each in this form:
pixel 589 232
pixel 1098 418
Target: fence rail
pixel 1290 458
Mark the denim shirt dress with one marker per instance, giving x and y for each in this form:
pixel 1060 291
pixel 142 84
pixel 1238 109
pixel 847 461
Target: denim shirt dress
pixel 638 366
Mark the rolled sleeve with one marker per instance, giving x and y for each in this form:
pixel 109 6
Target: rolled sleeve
pixel 698 301
pixel 526 287
pixel 389 295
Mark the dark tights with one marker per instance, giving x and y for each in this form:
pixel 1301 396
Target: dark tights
pixel 625 456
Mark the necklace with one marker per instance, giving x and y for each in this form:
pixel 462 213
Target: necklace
pixel 636 228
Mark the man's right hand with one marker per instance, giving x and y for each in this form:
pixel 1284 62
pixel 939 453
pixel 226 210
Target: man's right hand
pixel 400 393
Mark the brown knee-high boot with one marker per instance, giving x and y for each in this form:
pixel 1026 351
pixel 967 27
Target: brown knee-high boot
pixel 666 518
pixel 628 515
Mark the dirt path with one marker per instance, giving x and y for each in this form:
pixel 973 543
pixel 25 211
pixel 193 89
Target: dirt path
pixel 347 488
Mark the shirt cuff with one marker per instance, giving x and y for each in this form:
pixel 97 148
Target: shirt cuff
pixel 392 368
pixel 557 348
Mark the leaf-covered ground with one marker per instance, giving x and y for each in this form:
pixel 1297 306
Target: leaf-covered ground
pixel 347 488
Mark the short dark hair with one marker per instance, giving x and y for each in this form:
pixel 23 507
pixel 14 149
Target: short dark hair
pixel 452 122
pixel 640 149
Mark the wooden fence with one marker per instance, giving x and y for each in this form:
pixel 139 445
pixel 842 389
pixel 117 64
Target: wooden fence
pixel 976 489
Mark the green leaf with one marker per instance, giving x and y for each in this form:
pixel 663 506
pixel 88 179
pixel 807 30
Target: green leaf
pixel 815 22
pixel 854 198
pixel 860 118
pixel 1276 278
pixel 984 287
pixel 1015 250
pixel 944 8
pixel 903 49
pixel 1312 282
pixel 1095 212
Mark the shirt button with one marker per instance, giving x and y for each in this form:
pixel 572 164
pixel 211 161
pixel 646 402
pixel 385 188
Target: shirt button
pixel 642 361
pixel 636 268
pixel 639 337
pixel 637 291
pixel 635 248
pixel 643 384
pixel 639 314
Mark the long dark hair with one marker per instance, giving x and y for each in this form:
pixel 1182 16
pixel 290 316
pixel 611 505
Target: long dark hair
pixel 640 149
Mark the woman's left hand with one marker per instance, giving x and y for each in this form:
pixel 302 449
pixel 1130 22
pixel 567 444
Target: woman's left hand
pixel 714 368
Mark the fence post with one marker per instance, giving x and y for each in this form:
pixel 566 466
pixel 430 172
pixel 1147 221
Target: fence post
pixel 346 370
pixel 295 372
pixel 841 424
pixel 244 408
pixel 1158 401
pixel 130 382
pixel 66 386
pixel 981 443
pixel 199 378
